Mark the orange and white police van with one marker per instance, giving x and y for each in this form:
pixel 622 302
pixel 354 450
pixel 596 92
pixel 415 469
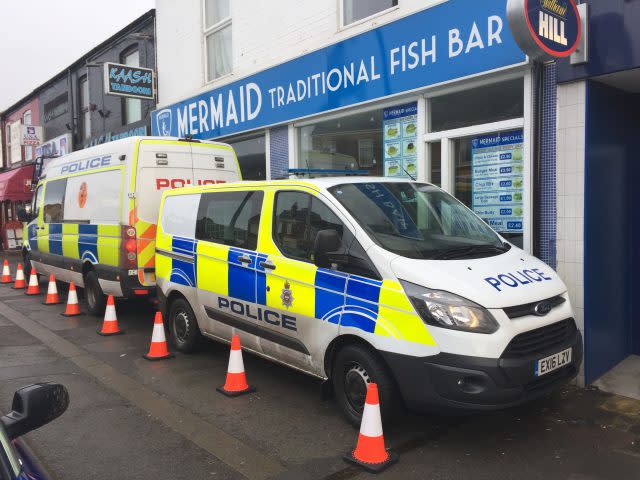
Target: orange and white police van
pixel 93 215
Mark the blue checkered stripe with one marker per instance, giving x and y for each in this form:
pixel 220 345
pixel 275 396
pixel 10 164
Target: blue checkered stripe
pixel 87 242
pixel 183 272
pixel 348 300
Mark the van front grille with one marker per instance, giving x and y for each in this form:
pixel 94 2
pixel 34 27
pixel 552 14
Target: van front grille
pixel 530 308
pixel 540 339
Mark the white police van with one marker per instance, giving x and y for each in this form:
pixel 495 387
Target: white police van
pixel 366 279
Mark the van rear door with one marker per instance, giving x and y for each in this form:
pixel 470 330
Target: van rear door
pixel 214 164
pixel 162 164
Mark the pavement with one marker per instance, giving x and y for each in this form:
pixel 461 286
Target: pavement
pixel 130 418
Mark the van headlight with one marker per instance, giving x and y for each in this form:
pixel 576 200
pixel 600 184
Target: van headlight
pixel 446 310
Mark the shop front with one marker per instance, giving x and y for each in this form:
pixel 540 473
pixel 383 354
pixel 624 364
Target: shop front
pixel 444 95
pixel 15 191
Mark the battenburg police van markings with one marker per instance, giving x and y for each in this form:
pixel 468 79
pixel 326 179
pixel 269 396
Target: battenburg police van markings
pixel 517 278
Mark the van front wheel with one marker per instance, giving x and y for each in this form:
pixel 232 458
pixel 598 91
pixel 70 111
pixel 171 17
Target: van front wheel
pixel 94 295
pixel 183 327
pixel 354 368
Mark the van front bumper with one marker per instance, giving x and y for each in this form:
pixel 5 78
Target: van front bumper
pixel 448 382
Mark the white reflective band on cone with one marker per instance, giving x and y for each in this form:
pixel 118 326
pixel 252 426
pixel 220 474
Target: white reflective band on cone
pixel 33 281
pixel 5 270
pixel 73 297
pixel 20 275
pixel 158 333
pixel 371 425
pixel 52 288
pixel 235 362
pixel 110 313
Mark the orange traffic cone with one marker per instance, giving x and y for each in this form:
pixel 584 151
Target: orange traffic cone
pixel 34 287
pixel 20 284
pixel 370 453
pixel 73 308
pixel 52 292
pixel 6 273
pixel 236 382
pixel 110 324
pixel 158 349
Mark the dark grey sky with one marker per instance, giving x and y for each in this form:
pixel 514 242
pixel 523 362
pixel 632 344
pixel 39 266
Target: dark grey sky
pixel 38 38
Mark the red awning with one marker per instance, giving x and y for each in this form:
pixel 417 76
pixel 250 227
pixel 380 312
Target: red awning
pixel 16 184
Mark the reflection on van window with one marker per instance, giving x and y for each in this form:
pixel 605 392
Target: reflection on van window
pixel 230 218
pixel 54 200
pixel 418 220
pixel 298 219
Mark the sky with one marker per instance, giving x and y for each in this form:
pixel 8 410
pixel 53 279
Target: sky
pixel 40 38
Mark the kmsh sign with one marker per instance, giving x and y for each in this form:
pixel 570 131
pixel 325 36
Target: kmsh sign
pixel 545 29
pixel 128 81
pixel 452 40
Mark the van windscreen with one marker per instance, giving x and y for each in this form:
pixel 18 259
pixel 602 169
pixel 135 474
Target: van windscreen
pixel 417 220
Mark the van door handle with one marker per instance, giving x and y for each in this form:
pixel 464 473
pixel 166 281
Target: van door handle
pixel 244 259
pixel 267 265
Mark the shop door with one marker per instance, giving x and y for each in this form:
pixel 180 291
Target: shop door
pixel 612 327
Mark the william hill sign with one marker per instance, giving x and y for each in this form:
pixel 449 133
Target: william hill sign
pixel 545 29
pixel 128 81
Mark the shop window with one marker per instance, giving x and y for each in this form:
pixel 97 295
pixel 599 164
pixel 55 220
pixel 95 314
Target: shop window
pixel 354 10
pixel 230 218
pixel 252 156
pixel 85 113
pixel 435 155
pixel 53 211
pixel 489 179
pixel 354 142
pixel 132 106
pixel 487 104
pixel 26 120
pixel 217 38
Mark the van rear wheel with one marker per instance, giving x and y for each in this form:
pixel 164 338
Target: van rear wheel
pixel 183 327
pixel 94 295
pixel 354 368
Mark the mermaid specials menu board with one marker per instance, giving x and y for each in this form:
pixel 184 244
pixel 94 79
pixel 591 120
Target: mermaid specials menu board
pixel 400 134
pixel 497 180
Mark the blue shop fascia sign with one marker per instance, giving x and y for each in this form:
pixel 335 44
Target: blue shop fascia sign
pixel 456 39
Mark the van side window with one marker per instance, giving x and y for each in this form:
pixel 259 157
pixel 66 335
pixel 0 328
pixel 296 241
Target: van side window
pixel 230 218
pixel 54 200
pixel 298 217
pixel 179 215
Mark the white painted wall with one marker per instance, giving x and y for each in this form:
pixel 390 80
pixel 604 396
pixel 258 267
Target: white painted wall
pixel 264 33
pixel 570 154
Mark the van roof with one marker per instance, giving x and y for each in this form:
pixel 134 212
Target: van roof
pixel 314 183
pixel 117 147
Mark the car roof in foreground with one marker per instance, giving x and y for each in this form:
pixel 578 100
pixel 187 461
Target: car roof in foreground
pixel 314 183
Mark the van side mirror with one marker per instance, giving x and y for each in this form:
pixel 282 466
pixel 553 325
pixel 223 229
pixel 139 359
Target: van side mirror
pixel 326 242
pixel 35 406
pixel 24 213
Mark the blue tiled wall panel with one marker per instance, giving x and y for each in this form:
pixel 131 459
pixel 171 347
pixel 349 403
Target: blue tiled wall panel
pixel 279 152
pixel 547 185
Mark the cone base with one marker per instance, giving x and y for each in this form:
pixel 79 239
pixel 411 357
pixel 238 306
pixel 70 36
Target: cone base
pixel 373 467
pixel 32 294
pixel 146 356
pixel 235 393
pixel 108 334
pixel 7 282
pixel 71 314
pixel 18 288
pixel 52 303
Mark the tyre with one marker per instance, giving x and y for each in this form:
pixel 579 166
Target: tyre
pixel 184 332
pixel 354 367
pixel 94 295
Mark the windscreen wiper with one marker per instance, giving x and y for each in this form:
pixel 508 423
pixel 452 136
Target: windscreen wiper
pixel 461 252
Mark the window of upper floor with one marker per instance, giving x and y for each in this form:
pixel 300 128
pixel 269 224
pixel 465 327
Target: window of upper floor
pixel 353 11
pixel 217 38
